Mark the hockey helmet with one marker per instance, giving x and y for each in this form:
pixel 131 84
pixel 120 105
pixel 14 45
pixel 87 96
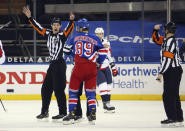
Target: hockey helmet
pixel 56 20
pixel 83 23
pixel 171 27
pixel 99 30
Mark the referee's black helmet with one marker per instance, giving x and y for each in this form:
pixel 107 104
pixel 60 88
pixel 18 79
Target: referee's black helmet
pixel 56 20
pixel 171 27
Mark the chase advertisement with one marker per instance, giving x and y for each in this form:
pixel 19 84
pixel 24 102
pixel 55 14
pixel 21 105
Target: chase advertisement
pixel 126 40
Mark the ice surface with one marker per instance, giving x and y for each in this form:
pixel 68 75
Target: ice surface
pixel 129 116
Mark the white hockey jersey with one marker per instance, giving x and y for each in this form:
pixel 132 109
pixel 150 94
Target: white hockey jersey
pixel 2 58
pixel 108 59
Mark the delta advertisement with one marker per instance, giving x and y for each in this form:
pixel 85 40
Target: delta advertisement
pixel 132 79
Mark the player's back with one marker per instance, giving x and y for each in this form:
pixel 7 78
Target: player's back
pixel 86 45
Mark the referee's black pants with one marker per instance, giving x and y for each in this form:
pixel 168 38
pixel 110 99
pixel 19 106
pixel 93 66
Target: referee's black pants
pixel 55 80
pixel 171 98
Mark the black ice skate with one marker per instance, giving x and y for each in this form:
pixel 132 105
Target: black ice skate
pixel 169 123
pixel 43 116
pixel 92 117
pixel 58 118
pixel 108 108
pixel 69 119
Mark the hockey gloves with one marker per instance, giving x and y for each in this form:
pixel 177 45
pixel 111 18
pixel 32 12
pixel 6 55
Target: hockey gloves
pixel 114 69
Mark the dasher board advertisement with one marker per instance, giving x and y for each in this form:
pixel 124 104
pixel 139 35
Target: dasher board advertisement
pixel 132 80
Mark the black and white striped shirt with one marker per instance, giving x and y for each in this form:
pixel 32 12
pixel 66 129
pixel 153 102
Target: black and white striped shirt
pixel 55 42
pixel 169 52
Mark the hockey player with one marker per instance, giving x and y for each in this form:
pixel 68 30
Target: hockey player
pixel 104 76
pixel 86 48
pixel 171 71
pixel 2 54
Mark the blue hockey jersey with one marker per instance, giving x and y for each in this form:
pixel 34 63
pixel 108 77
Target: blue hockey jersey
pixel 87 46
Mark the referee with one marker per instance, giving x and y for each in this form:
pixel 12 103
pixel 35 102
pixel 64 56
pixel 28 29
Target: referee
pixel 55 79
pixel 171 71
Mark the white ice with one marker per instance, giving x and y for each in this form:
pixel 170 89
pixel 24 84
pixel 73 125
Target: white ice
pixel 129 116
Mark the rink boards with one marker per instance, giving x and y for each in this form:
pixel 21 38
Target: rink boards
pixel 134 82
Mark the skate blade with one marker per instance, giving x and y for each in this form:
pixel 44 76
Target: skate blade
pixel 57 120
pixel 68 122
pixel 179 124
pixel 172 125
pixel 92 122
pixel 79 120
pixel 109 111
pixel 43 120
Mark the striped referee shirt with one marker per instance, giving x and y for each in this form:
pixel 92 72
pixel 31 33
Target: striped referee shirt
pixel 169 52
pixel 55 42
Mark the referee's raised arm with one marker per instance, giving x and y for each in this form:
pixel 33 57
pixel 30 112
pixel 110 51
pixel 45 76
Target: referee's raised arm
pixel 156 37
pixel 70 27
pixel 33 22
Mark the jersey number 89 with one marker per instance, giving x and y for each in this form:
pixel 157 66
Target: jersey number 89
pixel 82 48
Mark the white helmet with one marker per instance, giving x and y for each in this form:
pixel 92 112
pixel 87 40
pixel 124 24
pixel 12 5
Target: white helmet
pixel 99 30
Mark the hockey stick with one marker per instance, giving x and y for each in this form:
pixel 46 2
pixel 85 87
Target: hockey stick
pixel 3 105
pixel 6 25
